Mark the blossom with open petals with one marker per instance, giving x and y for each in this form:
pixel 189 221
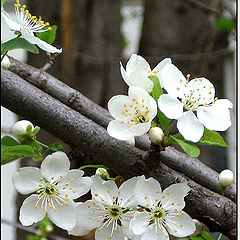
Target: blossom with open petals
pixel 185 97
pixel 133 113
pixel 27 25
pixel 138 70
pixel 55 186
pixel 162 213
pixel 110 210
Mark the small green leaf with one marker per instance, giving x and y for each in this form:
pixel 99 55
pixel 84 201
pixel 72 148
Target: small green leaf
pixel 212 138
pixel 18 43
pixel 55 146
pixel 157 90
pixel 224 24
pixel 190 148
pixel 163 120
pixel 48 36
pixel 204 236
pixel 11 153
pixel 2 2
pixel 36 130
pixel 8 141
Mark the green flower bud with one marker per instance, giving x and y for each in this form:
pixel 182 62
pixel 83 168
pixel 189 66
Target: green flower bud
pixel 103 173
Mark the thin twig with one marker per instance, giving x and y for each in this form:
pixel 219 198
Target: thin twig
pixel 51 61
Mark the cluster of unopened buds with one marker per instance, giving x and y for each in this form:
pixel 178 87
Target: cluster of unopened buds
pixel 133 114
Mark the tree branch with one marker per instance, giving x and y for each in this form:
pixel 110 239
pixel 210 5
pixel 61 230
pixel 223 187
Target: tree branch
pixel 92 144
pixel 191 167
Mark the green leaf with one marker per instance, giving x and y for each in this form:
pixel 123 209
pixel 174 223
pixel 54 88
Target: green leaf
pixel 212 138
pixel 8 141
pixel 48 36
pixel 224 24
pixel 55 146
pixel 190 148
pixel 204 236
pixel 163 120
pixel 18 43
pixel 157 90
pixel 2 2
pixel 11 153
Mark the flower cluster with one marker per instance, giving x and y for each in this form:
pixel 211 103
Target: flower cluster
pixel 137 209
pixel 26 25
pixel 134 113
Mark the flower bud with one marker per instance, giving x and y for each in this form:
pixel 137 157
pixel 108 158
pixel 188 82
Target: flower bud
pixel 5 63
pixel 156 135
pixel 131 141
pixel 103 173
pixel 226 178
pixel 199 228
pixel 49 228
pixel 19 129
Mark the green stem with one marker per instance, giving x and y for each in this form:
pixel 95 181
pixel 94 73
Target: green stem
pixel 223 190
pixel 93 166
pixel 36 141
pixel 3 56
pixel 219 236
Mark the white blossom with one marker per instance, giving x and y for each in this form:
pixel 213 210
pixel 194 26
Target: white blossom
pixel 110 210
pixel 156 135
pixel 226 178
pixel 5 63
pixel 27 25
pixel 162 211
pixel 133 113
pixel 138 70
pixel 20 127
pixel 55 187
pixel 186 97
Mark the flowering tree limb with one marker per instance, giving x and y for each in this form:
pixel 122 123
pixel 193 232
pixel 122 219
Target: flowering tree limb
pixel 191 167
pixel 93 144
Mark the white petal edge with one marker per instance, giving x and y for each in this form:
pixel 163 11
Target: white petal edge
pixel 190 127
pixel 139 224
pixel 27 180
pixel 28 213
pixel 170 106
pixel 7 19
pixel 55 165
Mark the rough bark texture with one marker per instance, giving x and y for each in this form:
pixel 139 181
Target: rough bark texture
pixel 181 27
pixel 91 143
pixel 192 168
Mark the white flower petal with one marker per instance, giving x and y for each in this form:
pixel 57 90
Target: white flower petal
pixel 119 131
pixel 170 106
pixel 55 165
pixel 65 216
pixel 127 193
pixel 104 190
pixel 152 231
pixel 181 226
pixel 27 180
pixel 174 196
pixel 124 75
pixel 42 44
pixel 137 63
pixel 224 103
pixel 139 224
pixel 172 80
pixel 140 78
pixel 140 129
pixel 215 117
pixel 190 127
pixel 7 19
pixel 147 191
pixel 116 106
pixel 160 67
pixel 28 213
pixel 105 234
pixel 76 184
pixel 86 218
pixel 138 93
pixel 202 90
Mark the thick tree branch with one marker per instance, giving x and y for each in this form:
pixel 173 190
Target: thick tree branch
pixel 191 167
pixel 93 144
